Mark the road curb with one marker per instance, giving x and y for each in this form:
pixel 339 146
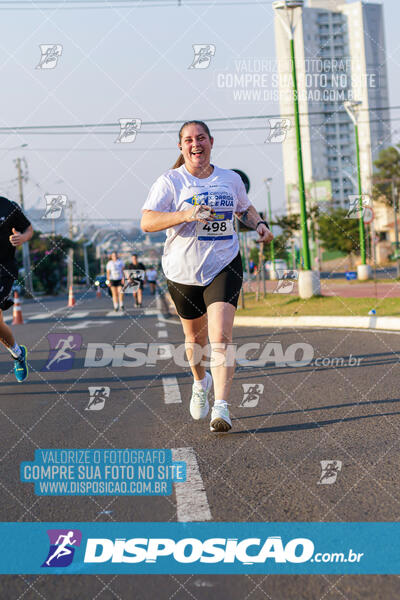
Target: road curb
pixel 372 322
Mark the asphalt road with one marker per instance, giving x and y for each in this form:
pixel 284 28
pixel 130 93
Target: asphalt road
pixel 266 469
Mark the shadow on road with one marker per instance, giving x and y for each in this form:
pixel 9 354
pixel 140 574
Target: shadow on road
pixel 313 425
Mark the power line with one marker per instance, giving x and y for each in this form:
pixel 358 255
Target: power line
pixel 157 132
pixel 27 128
pixel 124 4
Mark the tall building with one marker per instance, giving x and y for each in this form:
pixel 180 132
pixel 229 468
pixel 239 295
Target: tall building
pixel 340 55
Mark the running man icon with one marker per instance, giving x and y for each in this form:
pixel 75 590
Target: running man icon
pixel 62 351
pixel 62 549
pixel 330 470
pixel 63 543
pixel 54 206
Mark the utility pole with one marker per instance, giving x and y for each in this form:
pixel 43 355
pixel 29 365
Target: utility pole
pixel 26 261
pixel 70 266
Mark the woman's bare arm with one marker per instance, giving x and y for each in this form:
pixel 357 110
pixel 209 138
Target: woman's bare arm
pixel 250 217
pixel 153 220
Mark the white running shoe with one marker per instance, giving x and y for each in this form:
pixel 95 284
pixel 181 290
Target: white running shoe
pixel 220 419
pixel 199 405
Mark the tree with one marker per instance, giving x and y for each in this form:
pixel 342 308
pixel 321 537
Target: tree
pixel 48 261
pixel 337 232
pixel 288 224
pixel 388 168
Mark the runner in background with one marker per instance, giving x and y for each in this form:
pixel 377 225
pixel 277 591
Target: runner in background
pixel 136 265
pixel 151 277
pixel 115 279
pixel 15 229
pixel 195 202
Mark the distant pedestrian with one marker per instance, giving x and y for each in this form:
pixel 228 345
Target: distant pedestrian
pixel 115 279
pixel 151 277
pixel 136 265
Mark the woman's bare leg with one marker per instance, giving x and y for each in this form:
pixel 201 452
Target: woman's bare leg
pixel 220 319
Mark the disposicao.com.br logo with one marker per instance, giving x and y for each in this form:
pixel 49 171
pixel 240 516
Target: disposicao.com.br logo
pixel 247 551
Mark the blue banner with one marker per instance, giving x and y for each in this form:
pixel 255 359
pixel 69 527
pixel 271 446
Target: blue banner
pixel 208 548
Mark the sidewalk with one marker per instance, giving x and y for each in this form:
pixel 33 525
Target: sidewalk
pixel 342 322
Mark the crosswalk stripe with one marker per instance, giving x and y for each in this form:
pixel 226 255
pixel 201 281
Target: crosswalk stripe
pixel 191 497
pixel 39 316
pixel 172 394
pixel 78 315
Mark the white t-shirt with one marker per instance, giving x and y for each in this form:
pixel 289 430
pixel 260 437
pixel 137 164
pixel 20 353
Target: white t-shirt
pixel 116 269
pixel 194 253
pixel 151 275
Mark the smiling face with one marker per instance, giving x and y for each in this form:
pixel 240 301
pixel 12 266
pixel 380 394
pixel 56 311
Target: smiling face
pixel 195 145
pixel 114 256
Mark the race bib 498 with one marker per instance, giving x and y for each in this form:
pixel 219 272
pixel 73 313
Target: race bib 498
pixel 221 228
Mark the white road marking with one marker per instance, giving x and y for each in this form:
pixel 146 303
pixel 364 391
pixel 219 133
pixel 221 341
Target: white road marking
pixel 112 313
pixel 169 321
pixel 191 497
pixel 78 315
pixel 163 333
pixel 87 324
pixel 39 316
pixel 172 394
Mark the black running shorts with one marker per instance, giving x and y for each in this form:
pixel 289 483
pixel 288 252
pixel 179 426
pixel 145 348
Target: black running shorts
pixel 6 283
pixel 191 301
pixel 116 282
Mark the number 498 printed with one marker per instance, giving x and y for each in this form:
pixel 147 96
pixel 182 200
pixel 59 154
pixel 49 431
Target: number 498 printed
pixel 221 228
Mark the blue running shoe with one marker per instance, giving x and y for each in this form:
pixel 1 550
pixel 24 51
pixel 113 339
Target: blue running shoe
pixel 20 365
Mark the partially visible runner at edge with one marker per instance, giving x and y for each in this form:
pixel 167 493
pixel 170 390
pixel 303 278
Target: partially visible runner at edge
pixel 15 229
pixel 195 202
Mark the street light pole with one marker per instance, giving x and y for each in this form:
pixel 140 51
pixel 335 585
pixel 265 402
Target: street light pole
pixel 309 281
pixel 302 195
pixel 272 274
pixel 364 271
pixel 361 220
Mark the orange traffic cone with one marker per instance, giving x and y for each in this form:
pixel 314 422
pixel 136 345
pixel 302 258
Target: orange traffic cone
pixel 98 292
pixel 71 299
pixel 17 312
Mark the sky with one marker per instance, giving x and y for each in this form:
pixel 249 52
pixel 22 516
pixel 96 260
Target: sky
pixel 133 62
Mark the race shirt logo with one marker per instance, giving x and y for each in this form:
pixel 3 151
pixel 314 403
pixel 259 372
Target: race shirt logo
pixel 214 198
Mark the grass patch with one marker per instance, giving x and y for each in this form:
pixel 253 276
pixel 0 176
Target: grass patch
pixel 282 305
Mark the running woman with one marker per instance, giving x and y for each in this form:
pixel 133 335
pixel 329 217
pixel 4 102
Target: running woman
pixel 195 202
pixel 115 278
pixel 136 265
pixel 15 229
